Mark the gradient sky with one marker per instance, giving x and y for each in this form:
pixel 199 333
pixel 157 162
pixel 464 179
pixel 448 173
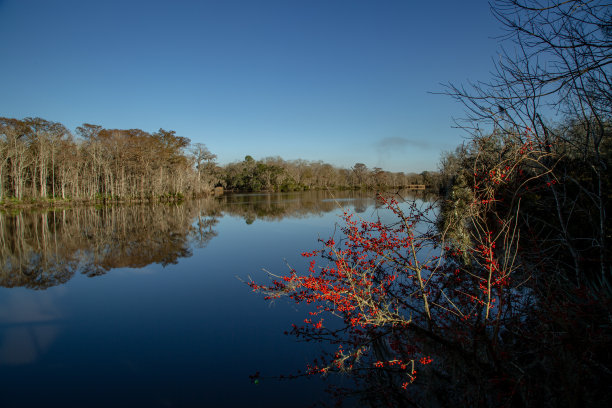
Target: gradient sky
pixel 338 81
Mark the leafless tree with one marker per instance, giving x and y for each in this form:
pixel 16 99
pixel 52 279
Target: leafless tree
pixel 553 81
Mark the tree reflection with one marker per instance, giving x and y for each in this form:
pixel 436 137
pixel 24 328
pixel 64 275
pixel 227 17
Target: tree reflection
pixel 39 250
pixel 277 206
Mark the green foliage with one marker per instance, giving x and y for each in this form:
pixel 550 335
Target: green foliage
pixel 453 221
pixel 276 174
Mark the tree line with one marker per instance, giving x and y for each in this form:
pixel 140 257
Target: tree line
pixel 42 159
pixel 276 174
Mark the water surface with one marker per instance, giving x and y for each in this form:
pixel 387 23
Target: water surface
pixel 146 305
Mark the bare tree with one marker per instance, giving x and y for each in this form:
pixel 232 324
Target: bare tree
pixel 553 82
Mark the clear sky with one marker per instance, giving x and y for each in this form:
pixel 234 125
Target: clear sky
pixel 338 81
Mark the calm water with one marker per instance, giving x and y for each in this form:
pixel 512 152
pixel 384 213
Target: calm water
pixel 142 305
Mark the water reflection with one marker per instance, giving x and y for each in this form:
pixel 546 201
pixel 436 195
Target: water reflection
pixel 277 206
pixel 39 250
pixel 186 335
pixel 28 326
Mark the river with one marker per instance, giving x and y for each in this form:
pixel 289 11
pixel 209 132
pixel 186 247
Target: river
pixel 146 305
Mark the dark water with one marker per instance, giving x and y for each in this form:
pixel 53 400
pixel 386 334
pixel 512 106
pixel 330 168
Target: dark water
pixel 142 305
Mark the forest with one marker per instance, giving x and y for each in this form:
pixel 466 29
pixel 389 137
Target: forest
pixel 43 160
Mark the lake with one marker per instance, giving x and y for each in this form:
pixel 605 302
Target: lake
pixel 146 305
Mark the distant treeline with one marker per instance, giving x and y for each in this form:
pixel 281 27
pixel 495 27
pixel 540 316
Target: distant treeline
pixel 276 174
pixel 41 159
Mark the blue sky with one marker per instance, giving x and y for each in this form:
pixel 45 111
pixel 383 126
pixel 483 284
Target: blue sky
pixel 338 81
